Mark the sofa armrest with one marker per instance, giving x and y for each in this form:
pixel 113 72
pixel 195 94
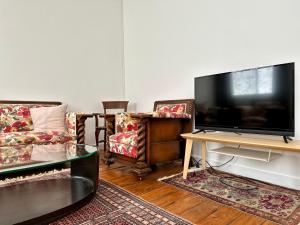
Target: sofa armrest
pixel 71 123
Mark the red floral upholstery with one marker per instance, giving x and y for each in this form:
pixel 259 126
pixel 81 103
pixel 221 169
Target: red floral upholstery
pixel 124 142
pixel 171 108
pixel 171 111
pixel 17 154
pixel 125 123
pixel 15 117
pixel 25 154
pixel 31 137
pixel 171 115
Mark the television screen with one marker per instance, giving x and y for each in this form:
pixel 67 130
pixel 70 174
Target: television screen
pixel 259 100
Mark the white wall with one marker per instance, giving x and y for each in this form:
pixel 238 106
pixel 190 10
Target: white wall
pixel 62 50
pixel 168 43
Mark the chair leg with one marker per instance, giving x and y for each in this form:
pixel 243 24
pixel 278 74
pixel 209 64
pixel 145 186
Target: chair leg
pixel 108 158
pixel 105 141
pixel 97 132
pixel 141 169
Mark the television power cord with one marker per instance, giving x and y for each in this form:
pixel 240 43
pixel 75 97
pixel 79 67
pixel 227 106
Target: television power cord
pixel 223 178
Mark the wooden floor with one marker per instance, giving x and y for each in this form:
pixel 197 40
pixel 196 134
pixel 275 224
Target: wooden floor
pixel 196 209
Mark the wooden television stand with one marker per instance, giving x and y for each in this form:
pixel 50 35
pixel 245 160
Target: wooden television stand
pixel 225 138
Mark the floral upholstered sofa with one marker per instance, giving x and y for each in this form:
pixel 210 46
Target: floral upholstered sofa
pixel 16 126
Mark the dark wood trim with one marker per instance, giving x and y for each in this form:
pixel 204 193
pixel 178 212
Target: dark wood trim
pixel 115 105
pixel 29 102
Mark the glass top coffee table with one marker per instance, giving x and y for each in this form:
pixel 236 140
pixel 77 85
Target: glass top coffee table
pixel 45 200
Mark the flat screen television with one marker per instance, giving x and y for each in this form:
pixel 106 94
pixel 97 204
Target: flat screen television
pixel 258 100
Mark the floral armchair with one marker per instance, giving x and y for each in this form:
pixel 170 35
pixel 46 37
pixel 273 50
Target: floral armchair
pixel 144 139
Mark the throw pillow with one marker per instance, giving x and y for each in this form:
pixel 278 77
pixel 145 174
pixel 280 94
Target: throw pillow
pixel 49 118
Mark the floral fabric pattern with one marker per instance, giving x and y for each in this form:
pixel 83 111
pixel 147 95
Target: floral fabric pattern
pixel 171 115
pixel 124 144
pixel 127 138
pixel 12 156
pixel 125 123
pixel 15 155
pixel 71 123
pixel 171 111
pixel 32 137
pixel 14 117
pixel 172 108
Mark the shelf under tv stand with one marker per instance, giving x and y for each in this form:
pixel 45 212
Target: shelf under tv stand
pixel 228 138
pixel 253 154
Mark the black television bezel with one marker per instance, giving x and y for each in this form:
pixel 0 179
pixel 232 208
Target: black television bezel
pixel 276 132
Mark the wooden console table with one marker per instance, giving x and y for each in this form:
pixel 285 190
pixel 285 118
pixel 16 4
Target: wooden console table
pixel 224 138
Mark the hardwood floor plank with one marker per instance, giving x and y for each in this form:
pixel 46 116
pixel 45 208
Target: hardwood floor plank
pixel 169 199
pixel 144 187
pixel 199 212
pixel 184 204
pixel 222 216
pixel 158 193
pixel 248 219
pixel 269 223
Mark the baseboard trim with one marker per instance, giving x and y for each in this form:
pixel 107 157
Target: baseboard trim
pixel 281 179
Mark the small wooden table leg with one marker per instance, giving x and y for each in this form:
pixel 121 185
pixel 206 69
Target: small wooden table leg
pixel 187 156
pixel 203 153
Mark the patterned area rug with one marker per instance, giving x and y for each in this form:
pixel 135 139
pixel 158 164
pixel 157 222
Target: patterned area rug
pixel 275 203
pixel 111 206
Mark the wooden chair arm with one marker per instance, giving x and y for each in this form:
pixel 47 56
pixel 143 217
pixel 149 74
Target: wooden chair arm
pixel 169 118
pixel 99 114
pixel 101 128
pixel 140 115
pixel 109 116
pixel 83 115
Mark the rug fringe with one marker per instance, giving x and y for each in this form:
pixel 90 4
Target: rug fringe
pixel 167 177
pixel 30 177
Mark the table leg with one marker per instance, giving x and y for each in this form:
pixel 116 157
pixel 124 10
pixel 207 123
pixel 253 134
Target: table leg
pixel 203 154
pixel 187 156
pixel 87 167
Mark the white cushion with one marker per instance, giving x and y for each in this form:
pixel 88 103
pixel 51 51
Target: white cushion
pixel 49 118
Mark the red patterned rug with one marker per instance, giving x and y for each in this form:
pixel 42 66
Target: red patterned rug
pixel 111 206
pixel 272 202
